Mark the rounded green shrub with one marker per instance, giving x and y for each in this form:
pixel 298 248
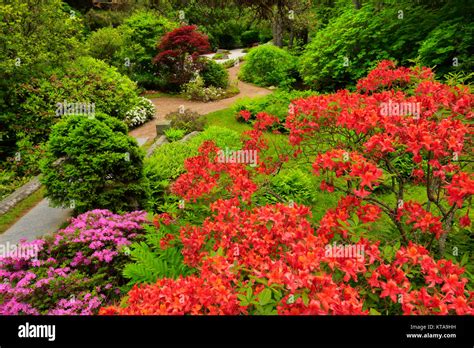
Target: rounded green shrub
pixel 91 162
pixel 214 74
pixel 268 65
pixel 105 43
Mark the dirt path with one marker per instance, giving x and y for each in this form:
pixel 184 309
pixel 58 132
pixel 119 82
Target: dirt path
pixel 165 105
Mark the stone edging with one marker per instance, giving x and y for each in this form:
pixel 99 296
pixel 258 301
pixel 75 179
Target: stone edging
pixel 19 194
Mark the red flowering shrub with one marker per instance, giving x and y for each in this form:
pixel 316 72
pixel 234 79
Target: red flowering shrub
pixel 178 55
pixel 273 259
pixel 402 113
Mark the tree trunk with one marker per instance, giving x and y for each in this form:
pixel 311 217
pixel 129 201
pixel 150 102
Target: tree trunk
pixel 277 29
pixel 277 25
pixel 447 226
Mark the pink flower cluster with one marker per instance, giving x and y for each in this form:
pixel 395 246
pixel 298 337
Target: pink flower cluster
pixel 72 272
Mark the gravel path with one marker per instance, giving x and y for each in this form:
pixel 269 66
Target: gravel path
pixel 39 221
pixel 165 105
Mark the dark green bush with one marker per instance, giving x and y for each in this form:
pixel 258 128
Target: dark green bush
pixel 92 163
pixel 449 46
pixel 354 42
pixel 214 74
pixel 268 65
pixel 250 37
pixel 95 19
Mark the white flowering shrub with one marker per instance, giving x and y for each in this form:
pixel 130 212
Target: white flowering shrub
pixel 143 111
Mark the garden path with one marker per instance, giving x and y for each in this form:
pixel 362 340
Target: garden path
pixel 165 105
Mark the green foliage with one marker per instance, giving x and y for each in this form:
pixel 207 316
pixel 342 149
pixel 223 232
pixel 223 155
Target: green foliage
pixel 86 80
pixel 188 120
pixel 268 65
pixel 151 261
pixel 105 43
pixel 218 56
pixel 448 44
pixel 35 37
pixel 174 134
pixel 276 104
pixel 214 74
pixel 93 163
pixel 96 19
pixel 196 90
pixel 250 37
pixel 352 43
pixel 141 33
pixel 292 185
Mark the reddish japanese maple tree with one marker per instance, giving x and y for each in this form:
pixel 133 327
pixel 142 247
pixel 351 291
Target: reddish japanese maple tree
pixel 178 55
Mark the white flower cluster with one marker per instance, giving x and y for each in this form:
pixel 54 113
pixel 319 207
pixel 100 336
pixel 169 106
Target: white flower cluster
pixel 140 113
pixel 195 90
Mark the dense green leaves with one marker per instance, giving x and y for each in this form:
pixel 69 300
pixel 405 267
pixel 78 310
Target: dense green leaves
pixel 93 163
pixel 268 65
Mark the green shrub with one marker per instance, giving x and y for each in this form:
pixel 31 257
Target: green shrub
pixel 35 38
pixel 449 41
pixel 276 104
pixel 268 65
pixel 218 56
pixel 92 163
pixel 105 43
pixel 214 74
pixel 86 80
pixel 188 120
pixel 196 90
pixel 354 42
pixel 141 33
pixel 174 134
pixel 250 37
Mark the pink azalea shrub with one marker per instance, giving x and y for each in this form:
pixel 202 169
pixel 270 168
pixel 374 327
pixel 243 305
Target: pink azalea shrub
pixel 76 271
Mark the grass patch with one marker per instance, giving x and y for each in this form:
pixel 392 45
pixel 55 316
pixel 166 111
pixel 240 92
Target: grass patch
pixel 20 209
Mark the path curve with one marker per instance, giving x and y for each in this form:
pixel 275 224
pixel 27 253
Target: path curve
pixel 165 105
